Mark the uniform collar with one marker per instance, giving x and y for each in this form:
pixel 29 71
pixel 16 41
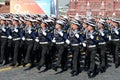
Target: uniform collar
pixel 16 26
pixel 29 28
pixel 92 31
pixel 59 30
pixel 101 29
pixel 44 29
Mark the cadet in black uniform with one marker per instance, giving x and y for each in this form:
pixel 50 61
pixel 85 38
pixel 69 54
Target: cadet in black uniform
pixel 115 35
pixel 103 39
pixel 76 39
pixel 60 38
pixel 3 35
pixel 9 40
pixel 44 38
pixel 30 36
pixel 22 41
pixel 92 41
pixel 16 41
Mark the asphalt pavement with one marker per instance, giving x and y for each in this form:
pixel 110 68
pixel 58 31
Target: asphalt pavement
pixel 19 73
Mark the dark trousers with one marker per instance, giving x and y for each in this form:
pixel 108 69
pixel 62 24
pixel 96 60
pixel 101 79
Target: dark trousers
pixel 60 50
pixel 44 54
pixel 91 54
pixel 22 51
pixel 16 51
pixel 3 49
pixel 10 49
pixel 102 53
pixel 35 54
pixel 76 52
pixel 115 51
pixel 29 45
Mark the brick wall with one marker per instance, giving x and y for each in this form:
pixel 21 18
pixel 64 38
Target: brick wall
pixel 81 7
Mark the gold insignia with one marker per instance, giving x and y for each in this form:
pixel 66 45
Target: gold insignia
pixel 97 38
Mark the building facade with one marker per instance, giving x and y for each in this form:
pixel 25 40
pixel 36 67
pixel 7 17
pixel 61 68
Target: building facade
pixel 94 7
pixel 63 6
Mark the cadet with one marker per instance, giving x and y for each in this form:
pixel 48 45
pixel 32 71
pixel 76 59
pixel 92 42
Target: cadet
pixel 76 39
pixel 103 39
pixel 30 36
pixel 44 38
pixel 9 40
pixel 16 41
pixel 22 41
pixel 3 35
pixel 92 41
pixel 115 41
pixel 9 45
pixel 60 38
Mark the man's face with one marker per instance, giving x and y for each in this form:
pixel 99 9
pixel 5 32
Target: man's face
pixel 43 25
pixel 8 22
pixel 74 26
pixel 15 22
pixel 89 27
pixel 58 26
pixel 115 24
pixel 2 21
pixel 85 25
pixel 28 23
pixel 100 25
pixel 108 21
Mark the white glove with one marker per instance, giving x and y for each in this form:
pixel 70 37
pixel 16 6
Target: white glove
pixel 91 36
pixel 109 38
pixel 37 40
pixel 9 37
pixel 77 35
pixel 116 31
pixel 4 29
pixel 61 34
pixel 44 33
pixel 16 30
pixel 67 41
pixel 84 45
pixel 29 31
pixel 53 40
pixel 23 38
pixel 102 34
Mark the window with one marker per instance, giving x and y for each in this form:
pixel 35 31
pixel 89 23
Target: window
pixel 109 6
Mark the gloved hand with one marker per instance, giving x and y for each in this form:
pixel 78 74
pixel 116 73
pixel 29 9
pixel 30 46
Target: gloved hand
pixel 37 40
pixel 4 29
pixel 77 35
pixel 102 34
pixel 29 31
pixel 116 31
pixel 44 33
pixel 9 37
pixel 84 44
pixel 16 30
pixel 109 38
pixel 61 34
pixel 67 41
pixel 91 36
pixel 23 38
pixel 53 40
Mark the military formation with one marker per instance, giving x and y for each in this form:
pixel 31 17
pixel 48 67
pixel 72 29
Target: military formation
pixel 51 42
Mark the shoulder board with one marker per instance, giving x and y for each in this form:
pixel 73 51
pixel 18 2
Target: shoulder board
pixel 97 38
